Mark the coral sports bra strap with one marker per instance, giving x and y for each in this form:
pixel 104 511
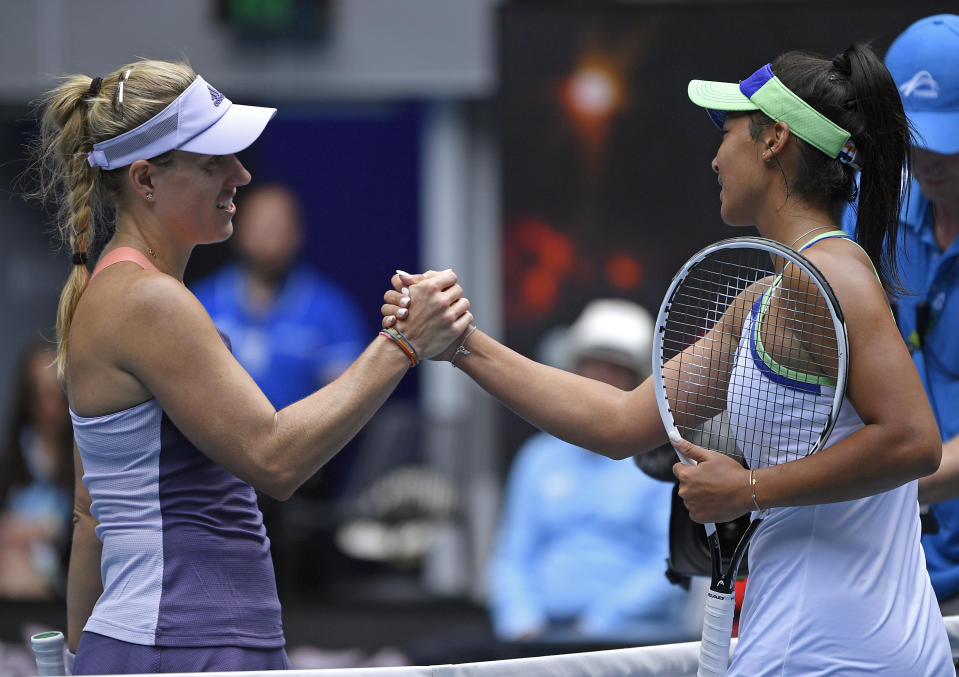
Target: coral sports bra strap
pixel 123 254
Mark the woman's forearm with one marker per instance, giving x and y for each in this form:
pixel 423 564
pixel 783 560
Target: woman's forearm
pixel 872 460
pixel 84 585
pixel 943 484
pixel 588 413
pixel 308 433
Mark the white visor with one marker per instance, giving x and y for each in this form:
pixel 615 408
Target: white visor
pixel 200 120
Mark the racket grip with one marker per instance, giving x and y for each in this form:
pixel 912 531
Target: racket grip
pixel 717 628
pixel 48 650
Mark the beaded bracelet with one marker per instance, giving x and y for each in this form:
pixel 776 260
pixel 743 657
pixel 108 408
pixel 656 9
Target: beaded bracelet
pixel 406 347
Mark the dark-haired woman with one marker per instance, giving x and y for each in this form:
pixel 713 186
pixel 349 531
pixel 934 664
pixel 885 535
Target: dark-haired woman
pixel 837 584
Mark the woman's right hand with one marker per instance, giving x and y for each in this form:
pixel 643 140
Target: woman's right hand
pixel 436 312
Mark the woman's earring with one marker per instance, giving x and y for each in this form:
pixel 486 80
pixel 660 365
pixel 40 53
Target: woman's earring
pixel 768 154
pixel 150 195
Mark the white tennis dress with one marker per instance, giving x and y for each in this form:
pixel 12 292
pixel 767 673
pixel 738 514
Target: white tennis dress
pixel 835 589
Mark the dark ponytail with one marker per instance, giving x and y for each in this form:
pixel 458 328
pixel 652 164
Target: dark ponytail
pixel 885 142
pixel 855 91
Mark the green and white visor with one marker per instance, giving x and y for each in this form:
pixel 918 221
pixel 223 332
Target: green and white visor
pixel 764 91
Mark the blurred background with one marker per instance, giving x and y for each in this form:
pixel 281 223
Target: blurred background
pixel 545 150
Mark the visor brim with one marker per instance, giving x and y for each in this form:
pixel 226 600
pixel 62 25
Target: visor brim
pixel 239 127
pixel 718 98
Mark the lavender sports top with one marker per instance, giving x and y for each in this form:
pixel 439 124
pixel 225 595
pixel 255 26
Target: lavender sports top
pixel 186 560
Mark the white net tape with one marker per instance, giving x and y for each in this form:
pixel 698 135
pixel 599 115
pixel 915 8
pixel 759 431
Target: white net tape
pixel 664 660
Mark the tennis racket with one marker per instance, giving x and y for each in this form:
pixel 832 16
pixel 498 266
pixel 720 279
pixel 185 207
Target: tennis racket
pixel 750 360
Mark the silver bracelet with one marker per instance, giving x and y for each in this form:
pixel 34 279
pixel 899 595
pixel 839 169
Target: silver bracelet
pixel 461 349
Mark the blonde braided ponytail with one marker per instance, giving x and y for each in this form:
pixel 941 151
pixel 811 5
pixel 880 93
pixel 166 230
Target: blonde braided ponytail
pixel 75 115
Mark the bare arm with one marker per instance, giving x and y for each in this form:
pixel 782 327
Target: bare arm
pixel 84 585
pixel 588 413
pixel 943 484
pixel 898 443
pixel 169 344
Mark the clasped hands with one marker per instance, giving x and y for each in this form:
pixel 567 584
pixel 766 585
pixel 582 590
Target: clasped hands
pixel 430 309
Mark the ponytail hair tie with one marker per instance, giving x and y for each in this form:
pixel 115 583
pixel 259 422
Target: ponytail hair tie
pixel 79 258
pixel 95 85
pixel 848 155
pixel 842 63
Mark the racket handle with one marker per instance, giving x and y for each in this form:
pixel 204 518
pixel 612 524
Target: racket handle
pixel 717 629
pixel 48 650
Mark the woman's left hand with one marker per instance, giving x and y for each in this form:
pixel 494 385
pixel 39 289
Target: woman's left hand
pixel 716 489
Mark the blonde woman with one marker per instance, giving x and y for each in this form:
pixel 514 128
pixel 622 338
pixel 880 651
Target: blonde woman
pixel 170 568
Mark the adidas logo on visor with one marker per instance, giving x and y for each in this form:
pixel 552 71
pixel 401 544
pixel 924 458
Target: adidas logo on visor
pixel 216 96
pixel 922 85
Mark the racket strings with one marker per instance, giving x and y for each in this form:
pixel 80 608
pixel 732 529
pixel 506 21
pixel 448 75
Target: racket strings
pixel 788 334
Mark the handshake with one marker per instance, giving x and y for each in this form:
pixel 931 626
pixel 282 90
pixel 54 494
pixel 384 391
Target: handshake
pixel 427 313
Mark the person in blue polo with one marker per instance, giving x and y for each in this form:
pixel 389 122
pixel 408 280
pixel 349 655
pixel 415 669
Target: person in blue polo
pixel 924 61
pixel 292 329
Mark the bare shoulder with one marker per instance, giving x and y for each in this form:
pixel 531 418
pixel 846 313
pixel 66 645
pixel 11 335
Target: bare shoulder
pixel 138 303
pixel 850 274
pixel 153 298
pixel 125 319
pixel 160 316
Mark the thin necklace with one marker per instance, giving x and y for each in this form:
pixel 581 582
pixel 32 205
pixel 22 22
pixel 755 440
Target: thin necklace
pixel 152 253
pixel 811 230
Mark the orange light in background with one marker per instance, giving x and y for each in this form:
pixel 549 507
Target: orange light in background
pixel 593 93
pixel 624 272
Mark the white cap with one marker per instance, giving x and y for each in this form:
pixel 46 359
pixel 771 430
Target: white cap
pixel 200 120
pixel 613 330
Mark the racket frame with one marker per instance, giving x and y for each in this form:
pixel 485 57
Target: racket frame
pixel 720 599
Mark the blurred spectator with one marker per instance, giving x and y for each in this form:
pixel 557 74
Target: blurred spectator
pixel 36 485
pixel 924 61
pixel 294 331
pixel 582 548
pixel 291 329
